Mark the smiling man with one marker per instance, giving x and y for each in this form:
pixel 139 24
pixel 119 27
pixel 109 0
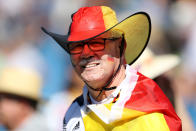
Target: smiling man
pixel 115 96
pixel 97 60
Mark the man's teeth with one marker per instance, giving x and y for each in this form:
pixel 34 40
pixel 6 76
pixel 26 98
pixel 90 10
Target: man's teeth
pixel 91 65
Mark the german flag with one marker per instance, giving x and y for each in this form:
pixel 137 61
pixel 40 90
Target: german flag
pixel 141 106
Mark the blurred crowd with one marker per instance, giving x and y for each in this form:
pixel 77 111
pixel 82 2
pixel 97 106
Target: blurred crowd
pixel 23 46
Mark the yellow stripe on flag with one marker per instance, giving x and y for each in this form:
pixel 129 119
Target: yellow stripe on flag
pixel 108 106
pixel 92 122
pixel 149 122
pixel 131 114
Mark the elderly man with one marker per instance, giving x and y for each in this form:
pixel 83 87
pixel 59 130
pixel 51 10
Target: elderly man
pixel 115 96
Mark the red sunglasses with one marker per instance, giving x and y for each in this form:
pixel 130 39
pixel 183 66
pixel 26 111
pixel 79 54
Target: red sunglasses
pixel 94 45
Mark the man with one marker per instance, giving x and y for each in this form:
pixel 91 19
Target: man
pixel 115 96
pixel 19 96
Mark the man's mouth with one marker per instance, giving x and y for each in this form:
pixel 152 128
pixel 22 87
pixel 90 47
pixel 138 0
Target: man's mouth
pixel 90 65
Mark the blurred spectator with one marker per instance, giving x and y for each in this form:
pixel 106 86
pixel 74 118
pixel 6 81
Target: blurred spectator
pixel 19 97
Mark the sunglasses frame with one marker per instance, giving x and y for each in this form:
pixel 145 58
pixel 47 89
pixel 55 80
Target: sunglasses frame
pixel 88 43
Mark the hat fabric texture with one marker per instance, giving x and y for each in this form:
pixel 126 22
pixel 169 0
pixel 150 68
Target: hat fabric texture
pixel 152 65
pixel 90 22
pixel 20 82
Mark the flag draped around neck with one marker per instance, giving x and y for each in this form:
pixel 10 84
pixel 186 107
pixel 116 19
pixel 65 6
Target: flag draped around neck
pixel 140 106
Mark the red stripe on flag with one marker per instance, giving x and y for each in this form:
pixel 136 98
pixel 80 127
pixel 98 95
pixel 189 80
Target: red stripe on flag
pixel 148 97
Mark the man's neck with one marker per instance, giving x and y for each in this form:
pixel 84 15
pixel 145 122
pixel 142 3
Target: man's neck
pixel 120 76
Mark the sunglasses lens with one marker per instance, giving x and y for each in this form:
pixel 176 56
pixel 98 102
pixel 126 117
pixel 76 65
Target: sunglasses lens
pixel 75 48
pixel 96 46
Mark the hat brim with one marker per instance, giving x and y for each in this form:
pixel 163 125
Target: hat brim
pixel 159 65
pixel 20 82
pixel 136 29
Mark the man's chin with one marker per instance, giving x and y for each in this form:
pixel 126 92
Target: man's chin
pixel 94 82
pixel 94 78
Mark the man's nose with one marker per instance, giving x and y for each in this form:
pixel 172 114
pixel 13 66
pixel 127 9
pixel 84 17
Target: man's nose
pixel 87 52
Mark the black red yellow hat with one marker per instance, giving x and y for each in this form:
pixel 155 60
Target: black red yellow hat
pixel 90 22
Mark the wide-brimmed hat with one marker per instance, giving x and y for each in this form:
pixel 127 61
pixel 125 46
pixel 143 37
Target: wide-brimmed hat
pixel 90 22
pixel 20 82
pixel 152 65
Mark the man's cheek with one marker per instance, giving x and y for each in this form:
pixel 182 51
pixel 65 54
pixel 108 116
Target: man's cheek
pixel 110 59
pixel 74 60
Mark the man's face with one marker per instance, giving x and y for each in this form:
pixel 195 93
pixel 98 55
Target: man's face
pixel 96 67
